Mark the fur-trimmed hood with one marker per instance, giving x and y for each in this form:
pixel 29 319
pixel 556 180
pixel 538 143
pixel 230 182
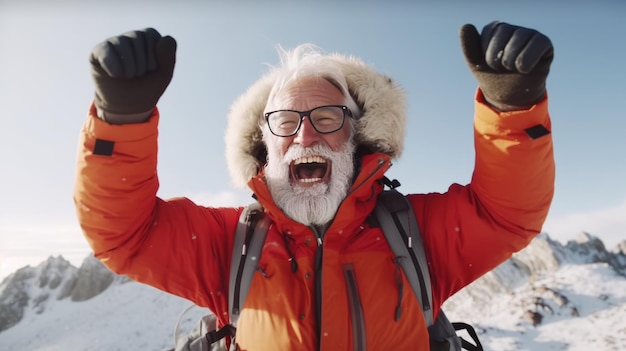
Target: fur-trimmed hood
pixel 381 127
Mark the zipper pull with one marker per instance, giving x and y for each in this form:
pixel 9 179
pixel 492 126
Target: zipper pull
pixel 294 265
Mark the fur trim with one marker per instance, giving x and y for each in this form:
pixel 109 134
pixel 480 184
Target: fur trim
pixel 381 127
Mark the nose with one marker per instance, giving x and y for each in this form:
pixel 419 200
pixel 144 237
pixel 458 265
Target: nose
pixel 307 135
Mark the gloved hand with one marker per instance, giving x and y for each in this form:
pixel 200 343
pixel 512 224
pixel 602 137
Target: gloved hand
pixel 510 63
pixel 131 71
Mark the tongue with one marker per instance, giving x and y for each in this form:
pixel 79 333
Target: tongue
pixel 309 171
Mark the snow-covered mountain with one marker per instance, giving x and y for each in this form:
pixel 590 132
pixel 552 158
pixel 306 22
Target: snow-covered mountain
pixel 548 297
pixel 56 306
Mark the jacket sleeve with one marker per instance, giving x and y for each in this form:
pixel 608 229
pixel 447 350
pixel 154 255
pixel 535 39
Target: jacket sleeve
pixel 173 245
pixel 471 229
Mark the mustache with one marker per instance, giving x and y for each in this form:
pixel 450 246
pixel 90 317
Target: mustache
pixel 297 151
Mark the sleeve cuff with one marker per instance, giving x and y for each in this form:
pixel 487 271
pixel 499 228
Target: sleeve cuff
pixel 512 120
pixel 100 129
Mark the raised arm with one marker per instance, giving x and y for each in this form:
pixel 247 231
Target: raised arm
pixel 129 228
pixel 471 229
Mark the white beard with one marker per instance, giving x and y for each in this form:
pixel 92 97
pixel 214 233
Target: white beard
pixel 311 205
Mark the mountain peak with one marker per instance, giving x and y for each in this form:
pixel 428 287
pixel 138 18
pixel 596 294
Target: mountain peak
pixel 33 288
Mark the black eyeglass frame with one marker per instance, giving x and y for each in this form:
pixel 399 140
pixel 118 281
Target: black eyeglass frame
pixel 303 114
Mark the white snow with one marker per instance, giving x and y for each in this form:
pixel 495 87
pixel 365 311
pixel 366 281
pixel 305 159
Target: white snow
pixel 126 316
pixel 594 291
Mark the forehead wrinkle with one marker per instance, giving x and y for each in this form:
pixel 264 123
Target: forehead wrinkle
pixel 306 94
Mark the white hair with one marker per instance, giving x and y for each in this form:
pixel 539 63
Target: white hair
pixel 308 61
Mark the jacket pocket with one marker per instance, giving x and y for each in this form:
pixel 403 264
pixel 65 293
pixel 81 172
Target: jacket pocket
pixel 356 309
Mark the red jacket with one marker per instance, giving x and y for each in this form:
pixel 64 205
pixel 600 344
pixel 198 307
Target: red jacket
pixel 185 249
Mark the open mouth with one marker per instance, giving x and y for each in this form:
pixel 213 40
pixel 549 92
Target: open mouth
pixel 310 170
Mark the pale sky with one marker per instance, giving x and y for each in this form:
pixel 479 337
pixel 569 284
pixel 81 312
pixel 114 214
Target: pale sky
pixel 46 89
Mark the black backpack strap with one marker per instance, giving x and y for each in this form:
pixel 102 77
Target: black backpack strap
pixel 443 335
pixel 207 343
pixel 476 346
pixel 397 220
pixel 217 335
pixel 248 242
pixel 249 238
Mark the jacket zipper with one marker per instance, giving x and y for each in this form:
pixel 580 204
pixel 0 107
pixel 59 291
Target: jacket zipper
pixel 318 280
pixel 356 311
pixel 318 285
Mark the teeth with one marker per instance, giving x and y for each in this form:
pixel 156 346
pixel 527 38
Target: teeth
pixel 309 159
pixel 309 180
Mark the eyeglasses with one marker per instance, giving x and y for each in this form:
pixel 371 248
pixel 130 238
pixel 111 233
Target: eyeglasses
pixel 324 119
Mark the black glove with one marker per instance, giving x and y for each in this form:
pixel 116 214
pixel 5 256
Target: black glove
pixel 510 63
pixel 131 71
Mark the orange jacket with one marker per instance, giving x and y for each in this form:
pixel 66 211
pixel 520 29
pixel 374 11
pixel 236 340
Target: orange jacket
pixel 185 249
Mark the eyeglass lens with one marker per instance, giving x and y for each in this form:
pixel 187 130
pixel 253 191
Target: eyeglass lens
pixel 325 119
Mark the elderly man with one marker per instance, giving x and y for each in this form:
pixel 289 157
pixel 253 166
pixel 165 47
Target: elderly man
pixel 313 139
